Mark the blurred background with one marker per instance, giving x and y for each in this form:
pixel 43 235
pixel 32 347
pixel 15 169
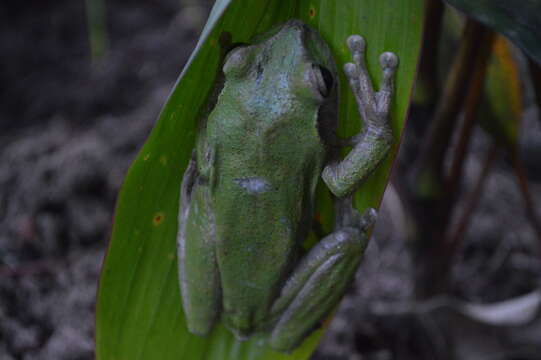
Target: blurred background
pixel 83 83
pixel 73 115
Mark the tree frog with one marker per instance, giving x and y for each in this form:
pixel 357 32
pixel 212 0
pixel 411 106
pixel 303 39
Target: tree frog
pixel 247 196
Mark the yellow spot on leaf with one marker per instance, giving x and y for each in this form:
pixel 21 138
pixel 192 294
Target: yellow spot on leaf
pixel 146 157
pixel 163 160
pixel 311 12
pixel 173 114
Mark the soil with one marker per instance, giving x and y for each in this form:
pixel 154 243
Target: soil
pixel 69 127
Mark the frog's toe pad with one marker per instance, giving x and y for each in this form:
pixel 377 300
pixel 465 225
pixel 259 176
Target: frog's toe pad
pixel 388 61
pixel 356 43
pixel 351 71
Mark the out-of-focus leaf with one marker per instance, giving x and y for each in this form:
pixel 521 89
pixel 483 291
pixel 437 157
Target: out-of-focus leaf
pixel 520 20
pixel 139 313
pixel 503 100
pixel 97 29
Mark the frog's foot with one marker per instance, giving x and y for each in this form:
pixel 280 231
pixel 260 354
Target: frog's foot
pixel 373 106
pixel 317 285
pixel 347 216
pixel 371 145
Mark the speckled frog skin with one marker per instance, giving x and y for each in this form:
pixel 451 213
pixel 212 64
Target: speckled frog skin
pixel 247 196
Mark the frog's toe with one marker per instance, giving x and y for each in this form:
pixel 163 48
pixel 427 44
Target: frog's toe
pixel 350 69
pixel 356 43
pixel 368 219
pixel 357 46
pixel 388 61
pixel 357 73
pixel 352 74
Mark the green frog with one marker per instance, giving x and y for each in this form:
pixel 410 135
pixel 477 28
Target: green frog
pixel 247 196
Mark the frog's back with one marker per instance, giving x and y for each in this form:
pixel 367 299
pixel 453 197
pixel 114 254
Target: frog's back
pixel 263 202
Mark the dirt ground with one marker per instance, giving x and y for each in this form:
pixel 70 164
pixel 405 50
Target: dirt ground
pixel 69 128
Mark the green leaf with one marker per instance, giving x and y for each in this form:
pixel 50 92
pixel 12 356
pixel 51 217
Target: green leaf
pixel 503 95
pixel 518 20
pixel 139 313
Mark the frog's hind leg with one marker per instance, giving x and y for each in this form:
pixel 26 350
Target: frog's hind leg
pixel 198 271
pixel 321 278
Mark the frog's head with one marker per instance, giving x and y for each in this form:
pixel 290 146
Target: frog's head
pixel 288 70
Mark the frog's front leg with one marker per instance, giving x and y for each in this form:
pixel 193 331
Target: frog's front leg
pixel 320 279
pixel 374 142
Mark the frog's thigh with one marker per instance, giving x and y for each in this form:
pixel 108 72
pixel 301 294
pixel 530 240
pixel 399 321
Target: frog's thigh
pixel 316 286
pixel 198 272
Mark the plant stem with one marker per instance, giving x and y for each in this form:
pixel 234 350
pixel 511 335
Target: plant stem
pixel 428 65
pixel 432 201
pixel 535 71
pixel 97 31
pixel 439 134
pixel 458 235
pixel 473 100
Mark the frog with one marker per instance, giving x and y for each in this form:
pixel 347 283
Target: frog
pixel 247 196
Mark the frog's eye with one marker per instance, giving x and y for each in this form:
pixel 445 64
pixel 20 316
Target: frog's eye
pixel 236 60
pixel 323 80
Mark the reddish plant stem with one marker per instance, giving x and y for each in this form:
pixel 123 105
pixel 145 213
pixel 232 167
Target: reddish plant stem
pixel 453 180
pixel 439 134
pixel 432 202
pixel 473 100
pixel 440 131
pixel 455 240
pixel 535 71
pixel 428 65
